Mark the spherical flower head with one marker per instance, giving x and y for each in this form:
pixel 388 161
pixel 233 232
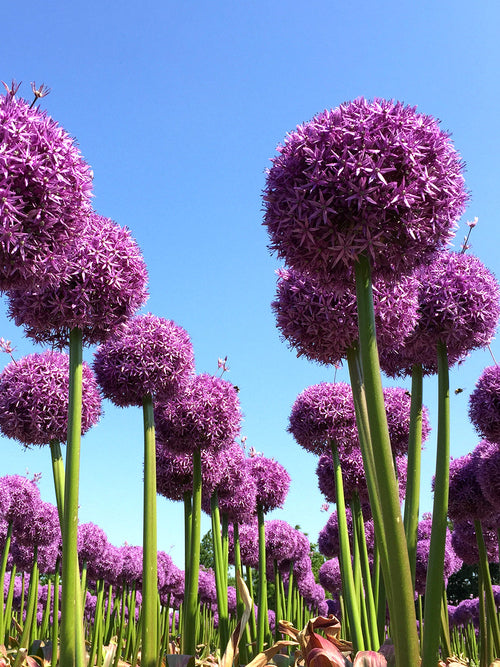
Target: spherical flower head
pixel 38 525
pixel 249 539
pixel 397 406
pixel 467 611
pixel 132 565
pixel 280 540
pixel 92 542
pixel 206 415
pixel 459 305
pixel 107 565
pixel 102 283
pixel 174 473
pixel 371 178
pixel 23 494
pixel 206 586
pixel 322 324
pixel 34 399
pixel 23 555
pixel 484 404
pixel 272 481
pixel 328 538
pixel 45 193
pixel 329 576
pixel 463 540
pixel 321 413
pixel 466 499
pixel 353 475
pixel 488 472
pixel 231 600
pixel 451 561
pixel 146 355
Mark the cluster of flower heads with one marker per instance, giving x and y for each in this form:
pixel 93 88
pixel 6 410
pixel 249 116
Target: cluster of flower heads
pixel 369 178
pixel 484 404
pixel 452 562
pixel 272 482
pixel 45 192
pixel 34 398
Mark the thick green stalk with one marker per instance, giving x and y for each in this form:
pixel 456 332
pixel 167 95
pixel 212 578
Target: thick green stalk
pixel 240 604
pixel 188 521
pixel 191 599
pixel 225 548
pixel 149 563
pixel 24 642
pixel 252 624
pixel 445 625
pixel 46 612
pixel 96 646
pixel 278 614
pixel 3 569
pixel 434 581
pixel 58 474
pixel 289 599
pixel 55 612
pixel 119 639
pixel 412 495
pixel 72 650
pixel 348 585
pixel 491 610
pixel 262 593
pixel 220 578
pixel 403 619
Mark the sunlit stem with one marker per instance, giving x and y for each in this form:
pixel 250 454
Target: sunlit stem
pixel 72 649
pixel 220 578
pixel 278 614
pixel 435 567
pixel 348 586
pixel 188 520
pixel 252 624
pixel 262 594
pixel 191 600
pixel 3 569
pixel 24 642
pixel 240 604
pixel 403 619
pixel 412 494
pixel 58 474
pixel 491 611
pixel 149 563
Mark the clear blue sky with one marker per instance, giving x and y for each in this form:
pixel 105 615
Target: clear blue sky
pixel 178 108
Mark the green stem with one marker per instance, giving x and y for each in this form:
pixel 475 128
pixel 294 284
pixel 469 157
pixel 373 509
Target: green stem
pixel 412 495
pixel 71 647
pixel 348 584
pixel 3 569
pixel 252 624
pixel 220 587
pixel 55 613
pixel 403 619
pixel 278 614
pixel 191 600
pixel 24 642
pixel 188 521
pixel 491 610
pixel 240 604
pixel 262 593
pixel 96 646
pixel 58 475
pixel 435 567
pixel 149 563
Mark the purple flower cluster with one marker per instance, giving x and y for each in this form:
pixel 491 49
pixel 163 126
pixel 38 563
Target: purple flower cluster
pixel 322 324
pixel 329 576
pixel 321 413
pixel 34 399
pixel 206 415
pixel 484 404
pixel 272 482
pixel 353 475
pixel 463 539
pixel 466 498
pixel 280 540
pixel 452 563
pixel 146 355
pixel 368 178
pixel 101 284
pixel 20 493
pixel 397 406
pixel 174 473
pixel 92 542
pixel 488 473
pixel 249 540
pixel 45 193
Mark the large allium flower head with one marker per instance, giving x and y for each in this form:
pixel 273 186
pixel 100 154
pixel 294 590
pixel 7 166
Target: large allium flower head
pixel 92 542
pixel 466 498
pixel 249 540
pixel 174 473
pixel 280 540
pixel 328 538
pixel 463 540
pixel 38 526
pixel 23 494
pixel 484 404
pixel 467 611
pixel 45 193
pixel 459 305
pixel 206 415
pixel 34 398
pixel 231 600
pixel 369 178
pixel 321 413
pixel 132 565
pixel 329 576
pixel 272 482
pixel 47 555
pixel 321 324
pixel 487 456
pixel 353 475
pixel 102 284
pixel 206 586
pixel 451 561
pixel 397 406
pixel 146 355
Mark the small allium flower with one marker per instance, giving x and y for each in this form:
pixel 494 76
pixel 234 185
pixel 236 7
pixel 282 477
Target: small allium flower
pixel 484 404
pixel 272 481
pixel 487 459
pixel 368 178
pixel 92 541
pixel 206 415
pixel 397 406
pixel 174 473
pixel 322 324
pixel 328 538
pixel 132 565
pixel 22 494
pixel 466 498
pixel 102 284
pixel 206 586
pixel 34 398
pixel 463 539
pixel 353 475
pixel 329 576
pixel 45 193
pixel 249 540
pixel 452 563
pixel 38 525
pixel 280 540
pixel 459 305
pixel 321 413
pixel 146 355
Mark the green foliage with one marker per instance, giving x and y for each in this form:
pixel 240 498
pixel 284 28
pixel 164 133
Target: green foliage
pixel 207 551
pixel 463 584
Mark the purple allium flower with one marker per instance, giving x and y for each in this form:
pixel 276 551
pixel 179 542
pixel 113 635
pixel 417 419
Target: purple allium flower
pixel 463 539
pixel 452 563
pixel 92 542
pixel 174 473
pixel 45 193
pixel 34 398
pixel 467 611
pixel 231 600
pixel 206 415
pixel 206 586
pixel 353 475
pixel 321 413
pixel 397 406
pixel 102 284
pixel 146 355
pixel 249 544
pixel 37 525
pixel 322 324
pixel 328 538
pixel 280 540
pixel 132 565
pixel 23 555
pixel 22 494
pixel 107 566
pixel 272 481
pixel 487 457
pixel 329 576
pixel 368 178
pixel 165 564
pixel 271 617
pixel 466 499
pixel 458 305
pixel 484 404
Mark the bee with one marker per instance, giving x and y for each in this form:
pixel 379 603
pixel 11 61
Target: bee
pixel 236 388
pixel 407 393
pixel 459 390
